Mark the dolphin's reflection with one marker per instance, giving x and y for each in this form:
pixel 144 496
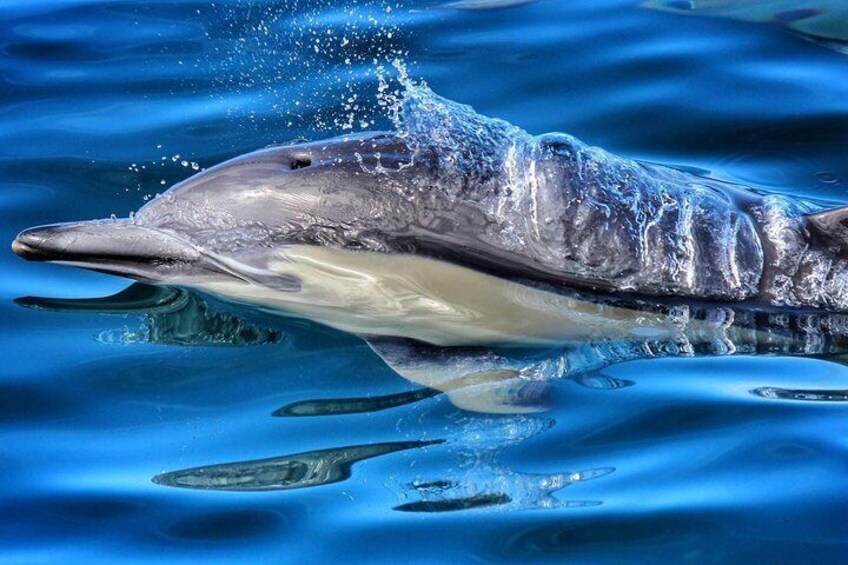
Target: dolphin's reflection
pixel 503 393
pixel 338 406
pixel 535 492
pixel 795 394
pixel 476 379
pixel 301 470
pixel 506 380
pixel 480 480
pixel 171 316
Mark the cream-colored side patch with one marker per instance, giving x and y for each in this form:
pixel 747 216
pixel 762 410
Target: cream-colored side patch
pixel 409 296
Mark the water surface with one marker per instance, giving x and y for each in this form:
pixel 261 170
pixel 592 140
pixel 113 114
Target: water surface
pixel 161 424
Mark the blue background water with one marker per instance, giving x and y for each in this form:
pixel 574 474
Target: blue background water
pixel 93 406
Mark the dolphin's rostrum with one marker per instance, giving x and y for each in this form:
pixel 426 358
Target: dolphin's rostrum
pixel 464 189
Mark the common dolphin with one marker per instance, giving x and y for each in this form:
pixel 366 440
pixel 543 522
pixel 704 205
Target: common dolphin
pixel 821 21
pixel 399 233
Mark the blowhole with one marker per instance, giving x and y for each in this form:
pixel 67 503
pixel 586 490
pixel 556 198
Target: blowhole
pixel 300 163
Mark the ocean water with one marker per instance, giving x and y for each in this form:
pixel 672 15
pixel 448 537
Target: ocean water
pixel 156 424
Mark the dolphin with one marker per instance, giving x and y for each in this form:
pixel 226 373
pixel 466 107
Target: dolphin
pixel 458 229
pixel 821 21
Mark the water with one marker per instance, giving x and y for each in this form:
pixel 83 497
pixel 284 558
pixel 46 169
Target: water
pixel 325 452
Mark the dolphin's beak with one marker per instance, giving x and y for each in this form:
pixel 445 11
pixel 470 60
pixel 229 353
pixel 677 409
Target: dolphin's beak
pixel 118 247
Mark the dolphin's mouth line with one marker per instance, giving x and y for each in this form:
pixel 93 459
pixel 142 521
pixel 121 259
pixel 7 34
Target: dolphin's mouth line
pixel 237 270
pixel 251 275
pixel 28 252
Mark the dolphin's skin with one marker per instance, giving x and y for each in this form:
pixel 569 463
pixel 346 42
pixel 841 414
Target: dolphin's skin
pixel 465 189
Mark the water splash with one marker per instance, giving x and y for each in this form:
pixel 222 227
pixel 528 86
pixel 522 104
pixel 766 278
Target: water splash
pixel 480 481
pixel 272 57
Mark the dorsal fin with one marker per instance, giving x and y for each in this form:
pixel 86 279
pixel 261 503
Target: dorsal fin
pixel 831 224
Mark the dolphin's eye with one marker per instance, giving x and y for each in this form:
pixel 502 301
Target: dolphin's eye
pixel 299 163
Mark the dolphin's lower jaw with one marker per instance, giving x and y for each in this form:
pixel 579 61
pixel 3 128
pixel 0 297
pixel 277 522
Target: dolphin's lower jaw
pixel 118 247
pixel 22 247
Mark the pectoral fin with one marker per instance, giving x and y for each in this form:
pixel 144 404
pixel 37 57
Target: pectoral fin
pixel 498 392
pixel 474 379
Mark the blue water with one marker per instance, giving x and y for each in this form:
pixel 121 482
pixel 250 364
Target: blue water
pixel 102 101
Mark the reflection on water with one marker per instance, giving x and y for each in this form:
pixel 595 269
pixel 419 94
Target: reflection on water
pixel 706 471
pixel 335 406
pixel 480 479
pixel 821 21
pixel 170 316
pixel 523 492
pixel 470 503
pixel 301 470
pixel 816 395
pixel 502 392
pixel 495 380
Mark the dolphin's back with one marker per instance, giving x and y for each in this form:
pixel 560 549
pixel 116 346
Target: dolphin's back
pixel 555 208
pixel 642 228
pixel 580 214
